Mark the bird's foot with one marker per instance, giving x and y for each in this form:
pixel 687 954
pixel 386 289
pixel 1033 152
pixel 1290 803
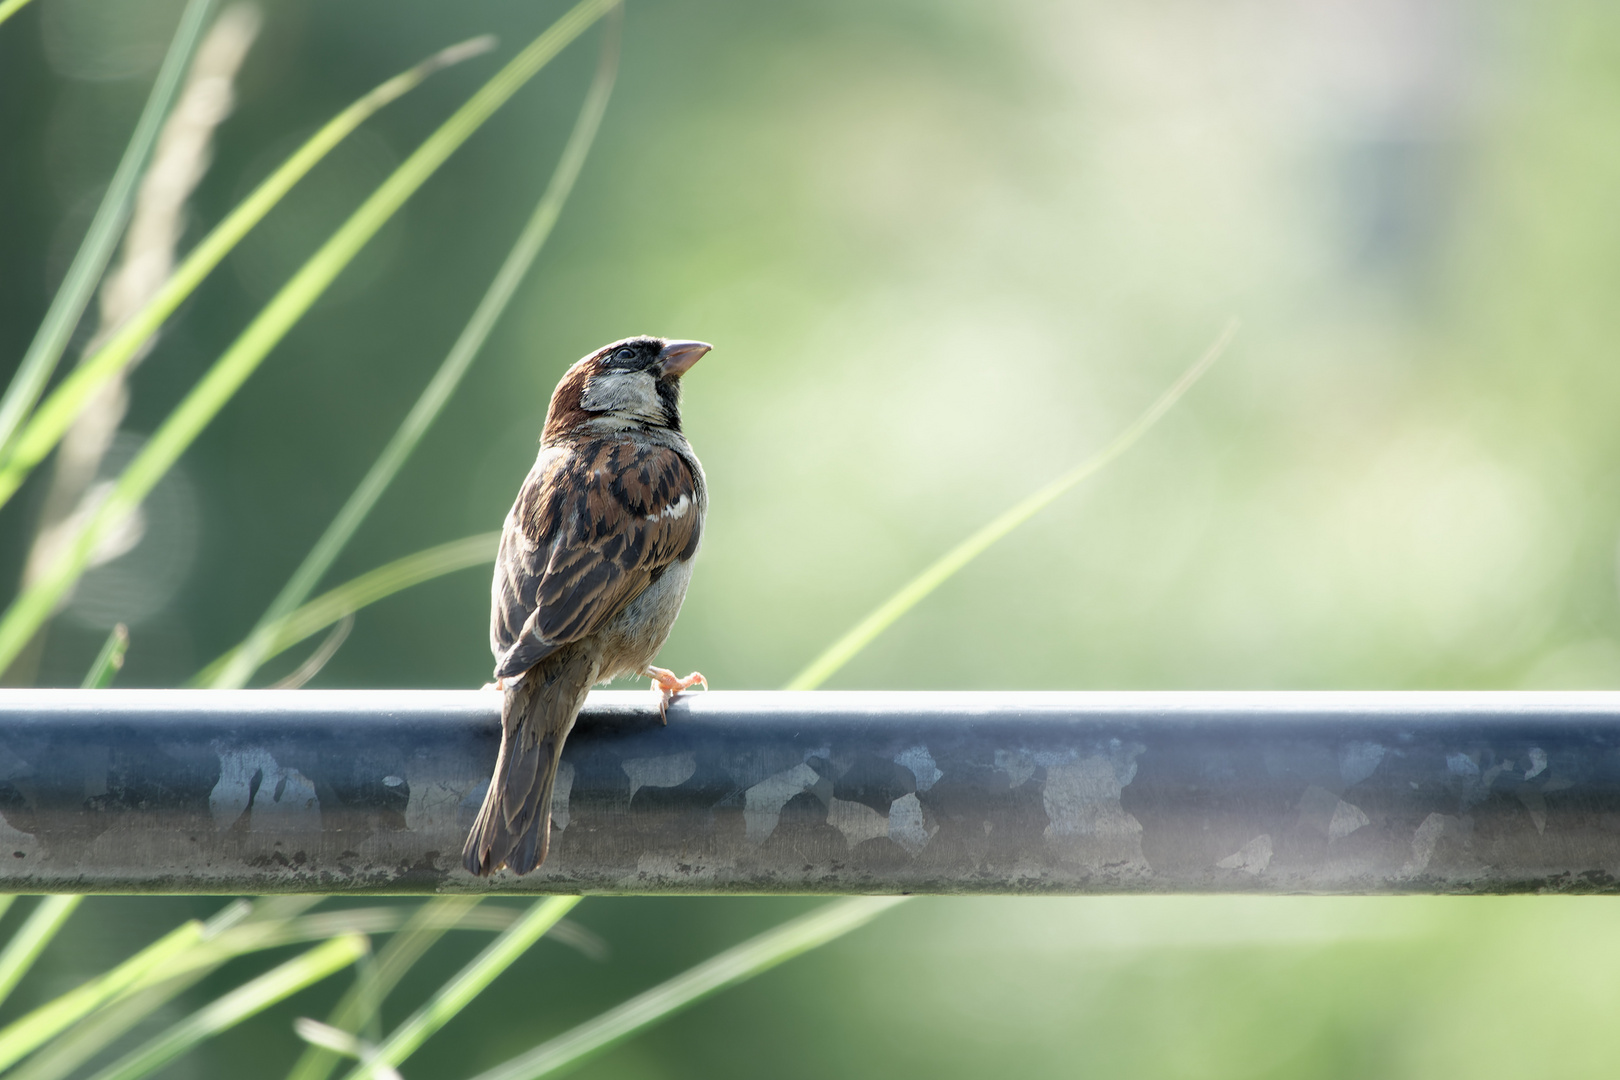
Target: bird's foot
pixel 498 684
pixel 669 684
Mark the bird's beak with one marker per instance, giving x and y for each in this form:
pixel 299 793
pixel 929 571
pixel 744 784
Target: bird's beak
pixel 678 356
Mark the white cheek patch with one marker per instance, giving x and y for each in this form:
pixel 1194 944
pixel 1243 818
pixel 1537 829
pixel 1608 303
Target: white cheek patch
pixel 676 509
pixel 622 392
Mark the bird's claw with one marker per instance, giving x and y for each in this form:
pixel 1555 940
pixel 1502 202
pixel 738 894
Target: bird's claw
pixel 669 684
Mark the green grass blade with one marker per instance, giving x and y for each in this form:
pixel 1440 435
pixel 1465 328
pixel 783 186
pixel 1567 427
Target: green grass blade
pixel 259 935
pixel 368 588
pixel 270 925
pixel 370 920
pixel 731 967
pixel 165 975
pixel 30 610
pixel 47 426
pixel 468 984
pixel 61 1058
pixel 5 904
pixel 27 1033
pixel 312 664
pixel 31 938
pixel 109 662
pixel 79 285
pixel 236 1006
pixel 10 8
pixel 256 649
pixel 426 926
pixel 844 649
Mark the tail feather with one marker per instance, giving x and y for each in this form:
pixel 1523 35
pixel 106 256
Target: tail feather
pixel 514 824
pixel 534 830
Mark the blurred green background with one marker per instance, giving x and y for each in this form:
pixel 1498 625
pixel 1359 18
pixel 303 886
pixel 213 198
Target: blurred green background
pixel 944 250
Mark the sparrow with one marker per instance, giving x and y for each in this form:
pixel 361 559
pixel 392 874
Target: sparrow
pixel 594 561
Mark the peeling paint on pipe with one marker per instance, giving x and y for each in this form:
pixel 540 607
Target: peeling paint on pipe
pixel 373 791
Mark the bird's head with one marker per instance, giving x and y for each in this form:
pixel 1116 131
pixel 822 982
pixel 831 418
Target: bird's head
pixel 631 383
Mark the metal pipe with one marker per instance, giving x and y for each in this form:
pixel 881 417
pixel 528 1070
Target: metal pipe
pixel 373 791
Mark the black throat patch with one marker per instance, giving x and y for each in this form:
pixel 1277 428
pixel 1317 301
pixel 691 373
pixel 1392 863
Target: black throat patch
pixel 669 392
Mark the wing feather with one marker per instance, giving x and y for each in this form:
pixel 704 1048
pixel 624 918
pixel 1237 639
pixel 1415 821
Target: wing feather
pixel 594 523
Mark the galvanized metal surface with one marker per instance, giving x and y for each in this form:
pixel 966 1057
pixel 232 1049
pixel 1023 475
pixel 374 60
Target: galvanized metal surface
pixel 341 791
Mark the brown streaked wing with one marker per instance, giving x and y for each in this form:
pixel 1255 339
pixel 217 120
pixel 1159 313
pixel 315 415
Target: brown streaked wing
pixel 597 524
pixel 521 561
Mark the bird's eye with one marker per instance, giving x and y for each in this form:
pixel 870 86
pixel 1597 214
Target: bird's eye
pixel 626 353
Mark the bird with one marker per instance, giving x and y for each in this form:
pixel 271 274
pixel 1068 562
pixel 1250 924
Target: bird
pixel 594 560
